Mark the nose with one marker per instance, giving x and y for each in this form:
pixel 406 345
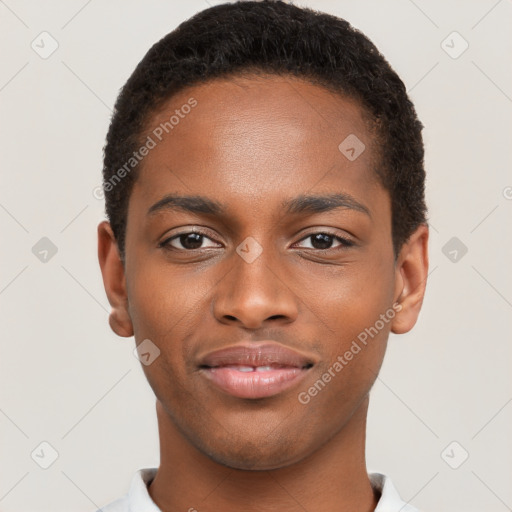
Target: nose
pixel 253 294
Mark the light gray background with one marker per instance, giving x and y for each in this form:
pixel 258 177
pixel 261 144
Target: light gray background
pixel 68 380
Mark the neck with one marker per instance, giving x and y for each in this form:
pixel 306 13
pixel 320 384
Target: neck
pixel 332 479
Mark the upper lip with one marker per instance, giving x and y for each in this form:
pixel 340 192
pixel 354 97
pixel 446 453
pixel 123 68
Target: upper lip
pixel 264 353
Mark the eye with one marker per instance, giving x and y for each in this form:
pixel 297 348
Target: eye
pixel 323 241
pixel 186 241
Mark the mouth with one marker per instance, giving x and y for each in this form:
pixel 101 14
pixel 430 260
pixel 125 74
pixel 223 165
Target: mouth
pixel 255 371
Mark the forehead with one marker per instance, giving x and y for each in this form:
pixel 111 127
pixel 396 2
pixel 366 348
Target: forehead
pixel 263 105
pixel 258 137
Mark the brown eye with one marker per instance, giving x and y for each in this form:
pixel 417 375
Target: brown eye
pixel 187 241
pixel 324 241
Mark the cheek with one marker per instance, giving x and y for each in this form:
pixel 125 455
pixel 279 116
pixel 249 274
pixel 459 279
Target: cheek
pixel 161 308
pixel 358 311
pixel 359 316
pixel 167 308
pixel 161 301
pixel 355 298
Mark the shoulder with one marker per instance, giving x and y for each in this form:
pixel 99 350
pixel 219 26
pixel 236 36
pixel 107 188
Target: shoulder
pixel 120 505
pixel 137 499
pixel 390 500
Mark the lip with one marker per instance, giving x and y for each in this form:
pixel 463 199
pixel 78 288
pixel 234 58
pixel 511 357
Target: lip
pixel 233 369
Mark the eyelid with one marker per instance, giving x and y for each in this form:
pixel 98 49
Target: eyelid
pixel 165 242
pixel 345 241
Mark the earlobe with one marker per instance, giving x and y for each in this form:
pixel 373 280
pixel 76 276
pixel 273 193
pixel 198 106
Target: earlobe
pixel 411 280
pixel 114 281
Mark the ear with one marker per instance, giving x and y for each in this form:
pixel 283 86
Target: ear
pixel 411 280
pixel 114 281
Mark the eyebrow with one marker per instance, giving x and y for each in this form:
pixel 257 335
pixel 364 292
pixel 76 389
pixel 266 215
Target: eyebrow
pixel 323 203
pixel 193 204
pixel 302 204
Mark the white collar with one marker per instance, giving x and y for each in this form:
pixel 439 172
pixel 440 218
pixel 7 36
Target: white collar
pixel 138 499
pixel 390 500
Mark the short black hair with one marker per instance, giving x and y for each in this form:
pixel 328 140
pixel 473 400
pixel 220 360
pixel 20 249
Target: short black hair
pixel 279 38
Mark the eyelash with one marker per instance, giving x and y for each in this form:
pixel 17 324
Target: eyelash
pixel 345 242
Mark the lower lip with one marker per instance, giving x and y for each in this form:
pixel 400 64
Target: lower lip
pixel 255 384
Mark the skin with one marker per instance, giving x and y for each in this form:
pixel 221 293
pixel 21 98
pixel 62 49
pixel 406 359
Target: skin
pixel 251 143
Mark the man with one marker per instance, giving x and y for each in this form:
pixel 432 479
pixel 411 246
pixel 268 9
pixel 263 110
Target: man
pixel 264 187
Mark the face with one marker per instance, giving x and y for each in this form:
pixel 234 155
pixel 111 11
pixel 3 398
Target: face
pixel 290 243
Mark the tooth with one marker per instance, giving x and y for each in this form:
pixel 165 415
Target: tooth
pixel 263 368
pixel 245 368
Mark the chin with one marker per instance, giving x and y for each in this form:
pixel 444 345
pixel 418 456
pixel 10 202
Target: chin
pixel 261 458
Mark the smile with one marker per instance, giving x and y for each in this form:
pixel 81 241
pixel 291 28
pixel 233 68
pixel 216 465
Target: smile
pixel 255 370
pixel 254 381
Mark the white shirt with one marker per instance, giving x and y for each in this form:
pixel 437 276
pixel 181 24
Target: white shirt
pixel 137 499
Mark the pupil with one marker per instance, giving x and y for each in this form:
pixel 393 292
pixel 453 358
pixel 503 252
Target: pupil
pixel 322 239
pixel 191 240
